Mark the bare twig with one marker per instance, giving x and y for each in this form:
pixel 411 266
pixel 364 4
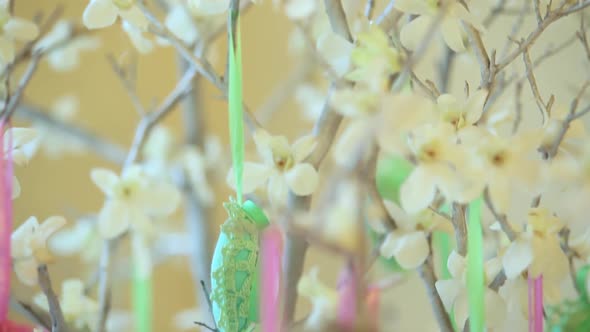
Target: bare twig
pixel 203 66
pixel 324 131
pixel 94 143
pixel 369 9
pixel 15 99
pixel 57 319
pixel 33 315
pixel 128 84
pixel 460 226
pixel 147 123
pixel 104 286
pixel 427 274
pixel 501 218
pixel 534 88
pixel 371 187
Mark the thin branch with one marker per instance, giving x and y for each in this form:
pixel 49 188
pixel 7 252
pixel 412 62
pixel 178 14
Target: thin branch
pixel 460 226
pixel 202 65
pixel 147 123
pixel 534 88
pixel 427 274
pixel 501 218
pixel 371 187
pixel 15 99
pixel 550 18
pixel 369 9
pixel 94 143
pixel 104 286
pixel 127 84
pixel 324 131
pixel 57 319
pixel 33 315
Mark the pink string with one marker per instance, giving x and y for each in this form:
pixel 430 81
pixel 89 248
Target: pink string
pixel 10 326
pixel 5 222
pixel 539 304
pixel 272 247
pixel 531 305
pixel 373 300
pixel 535 295
pixel 347 308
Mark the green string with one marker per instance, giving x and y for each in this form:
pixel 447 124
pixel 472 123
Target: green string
pixel 142 301
pixel 475 268
pixel 236 125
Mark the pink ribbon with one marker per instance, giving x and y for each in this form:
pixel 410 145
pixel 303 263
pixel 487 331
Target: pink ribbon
pixel 10 326
pixel 535 295
pixel 347 307
pixel 272 248
pixel 5 224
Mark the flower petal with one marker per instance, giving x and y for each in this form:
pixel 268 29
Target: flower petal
pixel 160 199
pixel 302 179
pixel 277 190
pixel 6 50
pixel 135 17
pixel 255 175
pixel 20 240
pixel 300 9
pixel 71 240
pixel 336 51
pixel 15 187
pixel 105 180
pixel 412 33
pixel 499 189
pixel 416 7
pixel 21 29
pixel 418 191
pixel 452 34
pixel 412 250
pixel 474 106
pixel 26 271
pixel 303 147
pixel 100 14
pixel 179 22
pixel 517 258
pixel 448 291
pixel 113 219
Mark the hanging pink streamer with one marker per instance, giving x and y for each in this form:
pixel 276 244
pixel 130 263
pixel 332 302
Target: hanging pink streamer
pixel 531 295
pixel 347 288
pixel 373 301
pixel 272 248
pixel 5 222
pixel 10 326
pixel 535 295
pixel 539 304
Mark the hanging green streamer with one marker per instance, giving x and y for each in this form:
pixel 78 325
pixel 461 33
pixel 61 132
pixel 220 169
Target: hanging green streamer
pixel 475 268
pixel 236 125
pixel 142 300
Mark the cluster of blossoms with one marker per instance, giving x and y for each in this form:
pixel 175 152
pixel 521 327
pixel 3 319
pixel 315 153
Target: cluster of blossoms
pixel 461 148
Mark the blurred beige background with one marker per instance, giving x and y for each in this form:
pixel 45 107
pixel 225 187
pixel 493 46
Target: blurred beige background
pixel 63 187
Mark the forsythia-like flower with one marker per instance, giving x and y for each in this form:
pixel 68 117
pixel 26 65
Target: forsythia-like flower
pixel 539 250
pixel 78 309
pixel 22 144
pixel 412 33
pixel 131 200
pixel 13 29
pixel 65 50
pixel 103 13
pixel 283 167
pixel 454 295
pixel 408 243
pixel 81 238
pixel 324 300
pixel 29 246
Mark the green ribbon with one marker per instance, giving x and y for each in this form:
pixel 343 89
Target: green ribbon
pixel 236 117
pixel 475 268
pixel 142 301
